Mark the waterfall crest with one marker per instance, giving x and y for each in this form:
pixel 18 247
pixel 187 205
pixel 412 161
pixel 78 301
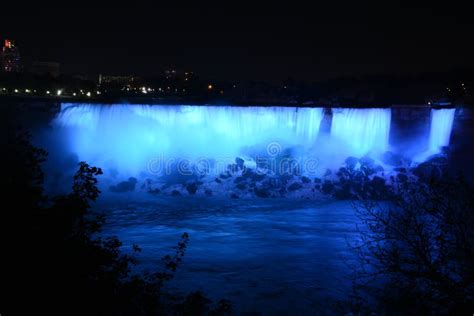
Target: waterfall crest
pixel 130 135
pixel 440 129
pixel 127 137
pixel 362 130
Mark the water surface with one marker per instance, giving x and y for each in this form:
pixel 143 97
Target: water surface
pixel 271 256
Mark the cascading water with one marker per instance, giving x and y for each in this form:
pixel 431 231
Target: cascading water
pixel 361 131
pixel 127 137
pixel 440 130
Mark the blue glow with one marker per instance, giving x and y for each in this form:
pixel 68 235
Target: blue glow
pixel 126 137
pixel 440 130
pixel 362 131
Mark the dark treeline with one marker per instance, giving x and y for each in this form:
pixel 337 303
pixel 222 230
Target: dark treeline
pixel 454 87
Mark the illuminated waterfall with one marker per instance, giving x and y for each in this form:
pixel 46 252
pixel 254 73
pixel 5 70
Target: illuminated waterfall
pixel 127 136
pixel 440 130
pixel 361 130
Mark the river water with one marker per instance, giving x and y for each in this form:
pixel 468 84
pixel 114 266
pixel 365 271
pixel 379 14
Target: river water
pixel 272 256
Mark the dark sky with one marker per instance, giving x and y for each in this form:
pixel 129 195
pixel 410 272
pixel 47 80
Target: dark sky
pixel 238 41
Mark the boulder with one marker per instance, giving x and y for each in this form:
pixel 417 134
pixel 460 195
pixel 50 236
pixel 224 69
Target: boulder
pixel 272 183
pixel 284 179
pixel 327 187
pixel 239 162
pixel 351 162
pixel 440 159
pixel 261 192
pixel 367 166
pixel 378 182
pixel 192 188
pixel 154 191
pixel 241 186
pixel 446 150
pixel 427 171
pixel 305 179
pixel 378 168
pixel 344 173
pixel 294 186
pixel 124 186
pixel 367 162
pixel 175 193
pixel 240 180
pixel 392 159
pixel 253 175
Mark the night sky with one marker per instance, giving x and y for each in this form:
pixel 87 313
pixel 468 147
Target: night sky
pixel 237 41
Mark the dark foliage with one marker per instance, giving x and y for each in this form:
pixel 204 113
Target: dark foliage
pixel 417 251
pixel 59 264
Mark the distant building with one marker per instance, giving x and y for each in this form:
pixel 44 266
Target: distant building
pixel 10 57
pixel 45 68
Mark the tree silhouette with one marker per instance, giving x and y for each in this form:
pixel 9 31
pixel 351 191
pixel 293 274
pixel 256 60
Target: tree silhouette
pixel 417 251
pixel 57 261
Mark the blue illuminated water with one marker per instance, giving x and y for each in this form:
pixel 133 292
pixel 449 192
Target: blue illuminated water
pixel 362 130
pixel 128 140
pixel 266 255
pixel 441 126
pixel 127 137
pixel 275 257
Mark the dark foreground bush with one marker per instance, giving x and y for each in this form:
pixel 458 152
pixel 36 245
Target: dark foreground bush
pixel 54 262
pixel 417 250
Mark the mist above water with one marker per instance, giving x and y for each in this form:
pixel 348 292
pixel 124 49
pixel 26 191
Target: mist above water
pixel 125 138
pixel 362 130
